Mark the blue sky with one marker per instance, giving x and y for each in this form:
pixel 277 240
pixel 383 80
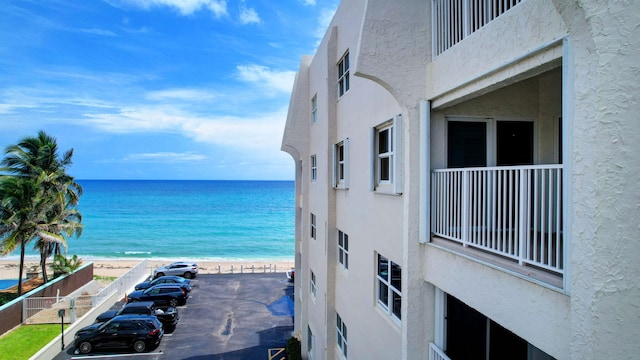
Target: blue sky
pixel 157 89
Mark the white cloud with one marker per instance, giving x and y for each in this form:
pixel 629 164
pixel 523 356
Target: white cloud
pixel 272 80
pixel 164 157
pixel 324 19
pixel 250 132
pixel 248 15
pixel 184 7
pixel 189 95
pixel 98 32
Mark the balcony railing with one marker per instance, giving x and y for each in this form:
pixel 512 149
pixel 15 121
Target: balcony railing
pixel 511 211
pixel 435 353
pixel 454 20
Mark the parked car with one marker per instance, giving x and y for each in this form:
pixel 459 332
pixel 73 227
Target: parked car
pixel 163 294
pixel 185 283
pixel 181 268
pixel 167 315
pixel 136 332
pixel 291 274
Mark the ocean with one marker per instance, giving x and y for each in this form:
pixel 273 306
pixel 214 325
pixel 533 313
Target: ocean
pixel 185 220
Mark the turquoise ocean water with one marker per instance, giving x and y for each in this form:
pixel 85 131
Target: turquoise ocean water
pixel 190 220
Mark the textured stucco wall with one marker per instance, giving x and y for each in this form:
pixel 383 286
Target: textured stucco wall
pixel 605 286
pixel 394 46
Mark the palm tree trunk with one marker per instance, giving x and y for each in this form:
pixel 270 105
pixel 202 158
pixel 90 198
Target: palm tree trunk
pixel 22 246
pixel 43 265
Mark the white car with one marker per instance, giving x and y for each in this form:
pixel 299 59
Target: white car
pixel 181 268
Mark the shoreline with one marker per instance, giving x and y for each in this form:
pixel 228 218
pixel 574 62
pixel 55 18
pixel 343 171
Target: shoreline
pixel 116 267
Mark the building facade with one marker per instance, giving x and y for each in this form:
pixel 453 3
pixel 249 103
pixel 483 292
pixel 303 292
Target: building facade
pixel 466 183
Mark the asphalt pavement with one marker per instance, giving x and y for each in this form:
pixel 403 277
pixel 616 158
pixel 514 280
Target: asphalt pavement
pixel 228 317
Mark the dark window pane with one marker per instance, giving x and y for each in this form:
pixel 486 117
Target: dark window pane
pixel 384 169
pixel 466 331
pixel 383 141
pixel 383 267
pixel 467 144
pixel 396 276
pixel 383 293
pixel 503 344
pixel 344 332
pixel 397 304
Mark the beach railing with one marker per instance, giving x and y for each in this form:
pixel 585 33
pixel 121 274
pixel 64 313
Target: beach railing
pixel 231 269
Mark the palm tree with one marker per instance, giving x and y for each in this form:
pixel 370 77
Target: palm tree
pixel 37 158
pixel 61 223
pixel 63 265
pixel 21 209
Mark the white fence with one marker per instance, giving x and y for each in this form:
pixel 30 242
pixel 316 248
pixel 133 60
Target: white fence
pixel 454 20
pixel 512 211
pixel 43 310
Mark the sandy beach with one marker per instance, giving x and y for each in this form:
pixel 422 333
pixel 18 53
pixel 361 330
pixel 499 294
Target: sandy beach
pixel 118 267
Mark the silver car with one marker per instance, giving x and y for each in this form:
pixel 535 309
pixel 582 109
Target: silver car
pixel 180 268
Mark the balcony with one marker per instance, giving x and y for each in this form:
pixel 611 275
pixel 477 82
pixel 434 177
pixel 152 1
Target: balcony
pixel 454 20
pixel 511 213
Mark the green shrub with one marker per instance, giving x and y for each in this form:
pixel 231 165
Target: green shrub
pixel 294 349
pixel 6 297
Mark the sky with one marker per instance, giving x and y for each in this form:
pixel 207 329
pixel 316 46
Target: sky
pixel 157 89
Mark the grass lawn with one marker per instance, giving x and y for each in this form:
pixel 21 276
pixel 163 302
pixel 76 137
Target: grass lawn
pixel 27 340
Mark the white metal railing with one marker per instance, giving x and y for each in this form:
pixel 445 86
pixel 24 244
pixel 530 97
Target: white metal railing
pixel 39 310
pixel 512 211
pixel 435 353
pixel 453 20
pixel 124 283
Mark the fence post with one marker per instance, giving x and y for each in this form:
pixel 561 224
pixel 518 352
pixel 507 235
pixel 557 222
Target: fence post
pixel 241 268
pixel 524 215
pixel 232 269
pixel 72 310
pixel 465 207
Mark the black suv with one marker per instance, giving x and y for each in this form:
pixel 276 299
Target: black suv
pixel 167 315
pixel 163 294
pixel 136 332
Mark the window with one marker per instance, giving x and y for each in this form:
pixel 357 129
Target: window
pixel 384 154
pixel 343 249
pixel 311 340
pixel 387 157
pixel 389 286
pixel 343 74
pixel 313 226
pixel 341 335
pixel 469 334
pixel 314 167
pixel 313 284
pixel 314 109
pixel 341 164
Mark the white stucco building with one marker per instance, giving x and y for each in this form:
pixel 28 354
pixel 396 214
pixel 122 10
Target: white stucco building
pixel 467 183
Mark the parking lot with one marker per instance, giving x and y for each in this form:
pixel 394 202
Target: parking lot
pixel 230 316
